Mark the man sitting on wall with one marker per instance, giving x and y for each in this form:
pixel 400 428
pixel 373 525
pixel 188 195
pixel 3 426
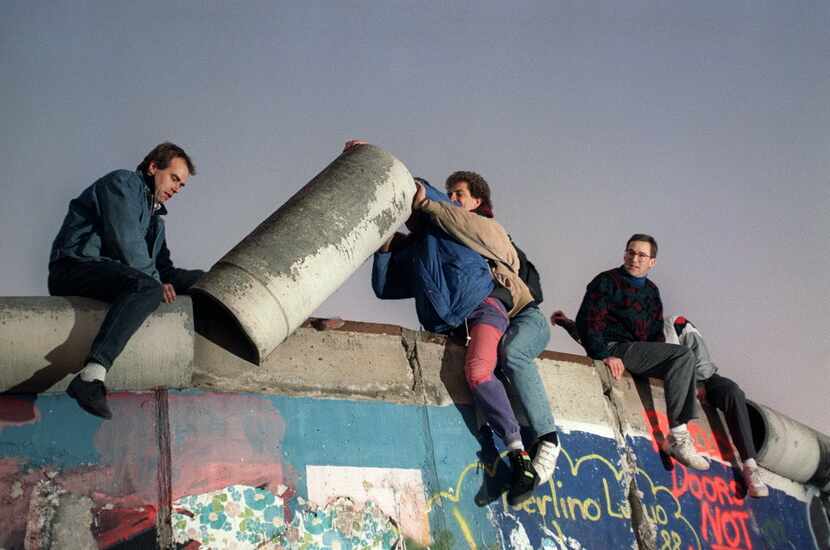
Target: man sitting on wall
pixel 112 247
pixel 719 391
pixel 620 323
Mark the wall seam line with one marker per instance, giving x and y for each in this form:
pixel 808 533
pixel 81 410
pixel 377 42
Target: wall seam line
pixel 164 479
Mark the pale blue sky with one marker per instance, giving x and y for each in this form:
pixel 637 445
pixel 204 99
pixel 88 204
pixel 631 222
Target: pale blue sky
pixel 703 123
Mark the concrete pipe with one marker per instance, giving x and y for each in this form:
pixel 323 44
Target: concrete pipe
pixel 42 339
pixel 789 448
pixel 284 269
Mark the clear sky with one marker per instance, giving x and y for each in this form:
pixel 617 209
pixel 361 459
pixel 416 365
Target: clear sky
pixel 702 123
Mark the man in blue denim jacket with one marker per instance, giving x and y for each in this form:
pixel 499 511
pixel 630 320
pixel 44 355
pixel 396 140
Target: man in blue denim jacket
pixel 111 247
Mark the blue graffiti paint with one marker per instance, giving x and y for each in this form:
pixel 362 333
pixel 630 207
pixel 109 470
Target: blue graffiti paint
pixel 464 476
pixel 64 436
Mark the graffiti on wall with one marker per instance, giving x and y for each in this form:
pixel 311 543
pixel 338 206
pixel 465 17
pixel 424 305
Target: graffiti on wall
pixel 715 501
pixel 273 471
pixel 584 505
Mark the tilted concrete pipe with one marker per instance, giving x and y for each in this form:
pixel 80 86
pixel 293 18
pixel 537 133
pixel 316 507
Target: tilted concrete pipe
pixel 42 339
pixel 789 448
pixel 285 268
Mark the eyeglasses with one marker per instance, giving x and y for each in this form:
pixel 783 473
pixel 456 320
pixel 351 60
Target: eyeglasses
pixel 639 255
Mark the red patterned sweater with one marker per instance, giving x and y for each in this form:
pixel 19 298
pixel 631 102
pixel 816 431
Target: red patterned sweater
pixel 615 310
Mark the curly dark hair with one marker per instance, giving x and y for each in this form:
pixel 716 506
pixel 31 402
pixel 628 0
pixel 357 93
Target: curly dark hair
pixel 478 190
pixel 162 154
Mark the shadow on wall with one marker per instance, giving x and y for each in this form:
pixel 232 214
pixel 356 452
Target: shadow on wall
pixel 66 358
pixel 643 387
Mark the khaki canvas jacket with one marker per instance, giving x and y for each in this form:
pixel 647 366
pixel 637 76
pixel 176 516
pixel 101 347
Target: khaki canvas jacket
pixel 486 237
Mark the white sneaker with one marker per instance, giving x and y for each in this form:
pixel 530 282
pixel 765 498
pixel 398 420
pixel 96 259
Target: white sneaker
pixel 544 462
pixel 682 449
pixel 755 486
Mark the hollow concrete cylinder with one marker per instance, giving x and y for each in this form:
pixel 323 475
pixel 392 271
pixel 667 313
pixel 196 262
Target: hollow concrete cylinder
pixel 285 268
pixel 789 448
pixel 43 339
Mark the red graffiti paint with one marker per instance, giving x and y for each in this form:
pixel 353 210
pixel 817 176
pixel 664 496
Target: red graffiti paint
pixel 725 528
pixel 17 410
pixel 723 515
pixel 705 441
pixel 711 488
pixel 118 525
pixel 724 519
pixel 220 439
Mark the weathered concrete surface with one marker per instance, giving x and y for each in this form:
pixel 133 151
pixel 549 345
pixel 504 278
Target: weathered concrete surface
pixel 276 276
pixel 43 339
pixel 575 391
pixel 441 364
pixel 332 363
pixel 790 448
pixel 73 514
pixel 394 454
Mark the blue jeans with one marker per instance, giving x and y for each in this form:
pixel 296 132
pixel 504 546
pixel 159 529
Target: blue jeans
pixel 132 296
pixel 525 339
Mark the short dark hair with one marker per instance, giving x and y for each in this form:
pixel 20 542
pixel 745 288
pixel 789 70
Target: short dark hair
pixel 642 237
pixel 478 190
pixel 162 154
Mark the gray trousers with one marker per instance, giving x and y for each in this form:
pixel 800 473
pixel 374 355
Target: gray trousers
pixel 674 364
pixel 724 394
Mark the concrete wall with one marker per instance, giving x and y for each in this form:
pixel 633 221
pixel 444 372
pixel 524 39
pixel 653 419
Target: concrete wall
pixel 42 339
pixel 364 437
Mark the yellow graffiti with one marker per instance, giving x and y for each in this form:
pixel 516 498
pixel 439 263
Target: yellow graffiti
pixel 569 507
pixel 465 529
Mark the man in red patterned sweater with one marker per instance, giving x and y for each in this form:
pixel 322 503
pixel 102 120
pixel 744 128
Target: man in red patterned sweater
pixel 620 323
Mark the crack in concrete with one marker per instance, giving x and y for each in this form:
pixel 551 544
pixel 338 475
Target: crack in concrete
pixel 409 340
pixel 645 531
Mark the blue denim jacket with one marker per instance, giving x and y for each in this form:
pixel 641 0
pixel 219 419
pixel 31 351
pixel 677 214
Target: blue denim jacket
pixel 446 279
pixel 113 219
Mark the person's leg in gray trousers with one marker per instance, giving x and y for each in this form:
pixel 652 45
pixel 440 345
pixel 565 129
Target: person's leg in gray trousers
pixel 674 364
pixel 726 395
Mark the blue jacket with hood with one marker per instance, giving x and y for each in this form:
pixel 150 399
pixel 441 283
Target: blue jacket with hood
pixel 446 279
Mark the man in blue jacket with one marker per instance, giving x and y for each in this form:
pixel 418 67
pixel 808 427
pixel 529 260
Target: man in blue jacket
pixel 453 288
pixel 111 247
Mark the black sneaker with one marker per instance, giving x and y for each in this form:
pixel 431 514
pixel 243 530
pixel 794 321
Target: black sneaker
pixel 91 396
pixel 524 477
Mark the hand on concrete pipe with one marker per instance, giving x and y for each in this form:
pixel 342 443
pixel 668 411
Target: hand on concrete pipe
pixel 168 293
pixel 615 365
pixel 354 143
pixel 420 196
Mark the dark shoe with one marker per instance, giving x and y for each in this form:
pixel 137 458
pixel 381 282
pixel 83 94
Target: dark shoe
pixel 524 477
pixel 91 396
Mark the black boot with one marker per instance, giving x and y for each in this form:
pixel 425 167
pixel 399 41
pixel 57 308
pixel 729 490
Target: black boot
pixel 524 477
pixel 91 396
